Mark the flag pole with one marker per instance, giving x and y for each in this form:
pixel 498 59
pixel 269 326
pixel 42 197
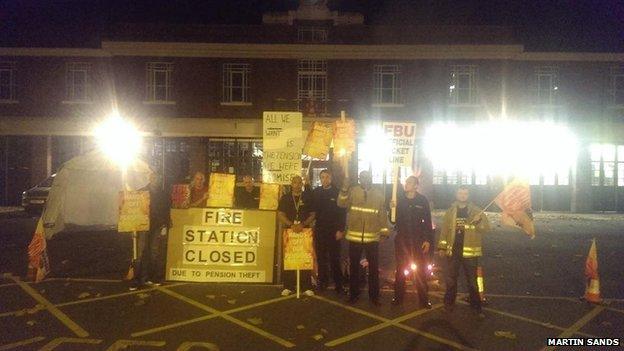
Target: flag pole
pixel 485 208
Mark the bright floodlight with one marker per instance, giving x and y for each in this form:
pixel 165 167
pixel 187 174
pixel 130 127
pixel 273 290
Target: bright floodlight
pixel 118 139
pixel 503 148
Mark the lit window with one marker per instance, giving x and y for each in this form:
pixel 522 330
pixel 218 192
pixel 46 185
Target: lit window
pixel 77 85
pixel 549 178
pixel 563 178
pixel 438 176
pixel 312 35
pixel 616 88
pixel 546 85
pixel 603 164
pixel 481 178
pixel 463 85
pixel 159 82
pixel 387 84
pixel 452 177
pixel 236 83
pixel 312 87
pixel 7 81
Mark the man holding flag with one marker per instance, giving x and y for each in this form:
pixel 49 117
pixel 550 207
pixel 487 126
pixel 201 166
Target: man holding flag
pixel 463 226
pixel 515 202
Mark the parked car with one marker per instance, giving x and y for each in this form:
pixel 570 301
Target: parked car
pixel 34 199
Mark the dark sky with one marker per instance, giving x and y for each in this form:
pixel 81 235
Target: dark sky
pixel 574 25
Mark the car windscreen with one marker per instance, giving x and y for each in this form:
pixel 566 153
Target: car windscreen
pixel 46 183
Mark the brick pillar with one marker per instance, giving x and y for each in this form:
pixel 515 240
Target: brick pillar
pixel 581 199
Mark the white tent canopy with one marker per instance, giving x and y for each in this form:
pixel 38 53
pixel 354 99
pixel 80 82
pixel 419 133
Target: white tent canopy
pixel 85 193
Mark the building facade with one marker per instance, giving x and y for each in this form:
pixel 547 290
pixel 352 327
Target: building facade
pixel 198 93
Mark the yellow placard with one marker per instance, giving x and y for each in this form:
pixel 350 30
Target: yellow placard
pixel 344 137
pixel 318 141
pixel 269 196
pixel 221 245
pixel 298 249
pixel 221 190
pixel 133 211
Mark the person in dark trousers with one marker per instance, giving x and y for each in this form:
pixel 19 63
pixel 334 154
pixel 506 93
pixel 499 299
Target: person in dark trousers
pixel 328 232
pixel 367 221
pixel 460 243
pixel 412 242
pixel 247 197
pixel 295 211
pixel 150 267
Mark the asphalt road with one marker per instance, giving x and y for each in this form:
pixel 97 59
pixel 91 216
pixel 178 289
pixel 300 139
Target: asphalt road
pixel 532 285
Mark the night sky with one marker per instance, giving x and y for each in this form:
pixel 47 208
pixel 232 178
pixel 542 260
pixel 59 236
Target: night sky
pixel 543 25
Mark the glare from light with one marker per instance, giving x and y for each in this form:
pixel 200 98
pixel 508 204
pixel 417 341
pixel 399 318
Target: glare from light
pixel 430 267
pixel 118 139
pixel 406 272
pixel 502 148
pixel 413 266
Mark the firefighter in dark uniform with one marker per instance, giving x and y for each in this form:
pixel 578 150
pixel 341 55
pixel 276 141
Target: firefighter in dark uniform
pixel 412 242
pixel 248 196
pixel 328 232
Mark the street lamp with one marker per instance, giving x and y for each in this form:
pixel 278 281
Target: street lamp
pixel 118 139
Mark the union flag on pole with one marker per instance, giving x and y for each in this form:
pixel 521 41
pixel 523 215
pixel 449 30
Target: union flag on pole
pixel 515 201
pixel 38 261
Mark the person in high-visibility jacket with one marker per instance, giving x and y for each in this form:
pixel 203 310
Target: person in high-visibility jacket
pixel 367 221
pixel 460 242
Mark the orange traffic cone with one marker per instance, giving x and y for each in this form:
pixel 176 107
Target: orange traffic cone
pixel 592 290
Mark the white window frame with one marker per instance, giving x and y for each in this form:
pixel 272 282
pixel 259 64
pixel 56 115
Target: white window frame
pixel 229 71
pixel 312 72
pixel 8 67
pixel 550 95
pixel 312 35
pixel 394 72
pixel 71 68
pixel 600 163
pixel 616 73
pixel 152 68
pixel 454 88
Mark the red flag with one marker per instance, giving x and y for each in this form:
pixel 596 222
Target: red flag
pixel 515 201
pixel 591 264
pixel 38 261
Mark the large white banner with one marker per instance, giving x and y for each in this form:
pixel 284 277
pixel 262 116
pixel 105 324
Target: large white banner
pixel 281 143
pixel 401 136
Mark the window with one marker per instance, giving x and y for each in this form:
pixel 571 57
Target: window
pixel 463 85
pixel 236 84
pixel 546 85
pixel 312 87
pixel 616 88
pixel 77 85
pixel 387 85
pixel 159 82
pixel 7 81
pixel 438 176
pixel 312 35
pixel 606 164
pixel 239 156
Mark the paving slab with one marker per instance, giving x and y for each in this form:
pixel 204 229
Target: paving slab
pixel 119 317
pixel 228 296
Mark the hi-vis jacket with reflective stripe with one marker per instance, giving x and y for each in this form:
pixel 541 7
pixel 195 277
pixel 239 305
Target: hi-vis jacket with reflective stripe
pixel 366 213
pixel 474 230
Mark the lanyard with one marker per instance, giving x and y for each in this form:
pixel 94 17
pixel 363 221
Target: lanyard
pixel 297 204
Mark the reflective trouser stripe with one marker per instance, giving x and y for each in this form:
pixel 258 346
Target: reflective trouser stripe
pixel 362 237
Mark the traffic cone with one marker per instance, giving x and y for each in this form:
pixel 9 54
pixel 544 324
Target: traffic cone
pixel 592 290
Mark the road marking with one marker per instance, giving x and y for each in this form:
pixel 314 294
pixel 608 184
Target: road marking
pixel 21 343
pixel 7 284
pixel 188 345
pixel 573 329
pixel 204 318
pixel 112 296
pixel 123 344
pixel 389 322
pixel 566 298
pixel 377 327
pixel 58 341
pixel 227 317
pixel 93 280
pixel 51 308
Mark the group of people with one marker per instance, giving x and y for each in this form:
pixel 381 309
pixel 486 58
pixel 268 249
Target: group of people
pixel 359 214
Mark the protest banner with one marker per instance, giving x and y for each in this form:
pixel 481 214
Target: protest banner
pixel 221 190
pixel 318 140
pixel 180 195
pixel 133 211
pixel 298 249
pixel 269 196
pixel 282 143
pixel 221 245
pixel 401 137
